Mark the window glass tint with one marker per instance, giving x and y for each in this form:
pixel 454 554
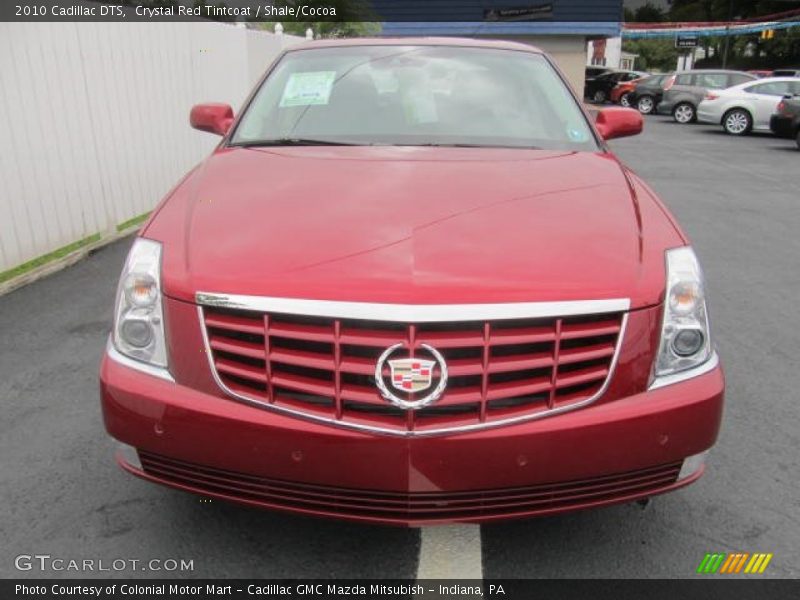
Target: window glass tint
pixel 737 78
pixel 416 95
pixel 794 87
pixel 685 79
pixel 714 81
pixel 773 88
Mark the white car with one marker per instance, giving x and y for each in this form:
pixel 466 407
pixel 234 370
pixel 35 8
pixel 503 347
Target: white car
pixel 748 106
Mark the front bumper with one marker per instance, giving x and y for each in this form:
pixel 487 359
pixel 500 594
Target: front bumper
pixel 608 453
pixel 706 115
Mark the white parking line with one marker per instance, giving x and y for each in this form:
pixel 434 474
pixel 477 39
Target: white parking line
pixel 450 552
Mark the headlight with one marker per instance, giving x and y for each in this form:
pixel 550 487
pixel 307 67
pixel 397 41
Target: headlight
pixel 139 318
pixel 685 336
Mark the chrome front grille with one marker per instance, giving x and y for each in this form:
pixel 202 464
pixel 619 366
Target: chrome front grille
pixel 499 371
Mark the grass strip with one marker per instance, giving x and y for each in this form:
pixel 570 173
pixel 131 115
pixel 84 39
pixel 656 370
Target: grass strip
pixel 131 222
pixel 48 258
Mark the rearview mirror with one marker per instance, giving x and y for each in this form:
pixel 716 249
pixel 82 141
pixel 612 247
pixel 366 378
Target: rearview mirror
pixel 617 122
pixel 211 117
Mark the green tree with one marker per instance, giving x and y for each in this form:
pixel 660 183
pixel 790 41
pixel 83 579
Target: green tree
pixel 655 54
pixel 744 51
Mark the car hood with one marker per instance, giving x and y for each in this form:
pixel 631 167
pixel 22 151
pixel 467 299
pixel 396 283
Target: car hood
pixel 412 225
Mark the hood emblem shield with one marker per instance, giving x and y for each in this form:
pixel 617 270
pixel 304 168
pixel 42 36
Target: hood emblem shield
pixel 409 376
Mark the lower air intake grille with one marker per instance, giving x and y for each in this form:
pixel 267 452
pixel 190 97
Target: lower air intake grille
pixel 418 506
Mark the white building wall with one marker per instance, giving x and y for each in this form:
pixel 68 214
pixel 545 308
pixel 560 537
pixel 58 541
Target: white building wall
pixel 94 120
pixel 613 52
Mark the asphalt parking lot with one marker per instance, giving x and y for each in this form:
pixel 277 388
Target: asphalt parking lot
pixel 736 198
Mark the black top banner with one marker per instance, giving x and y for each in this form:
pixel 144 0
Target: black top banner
pixel 575 11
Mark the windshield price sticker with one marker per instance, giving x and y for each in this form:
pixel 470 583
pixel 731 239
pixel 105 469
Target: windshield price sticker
pixel 308 89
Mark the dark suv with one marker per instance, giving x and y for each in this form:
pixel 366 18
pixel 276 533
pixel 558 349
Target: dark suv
pixel 786 120
pixel 786 73
pixel 683 91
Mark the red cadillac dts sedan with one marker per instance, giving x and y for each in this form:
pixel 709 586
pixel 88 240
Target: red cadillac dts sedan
pixel 412 285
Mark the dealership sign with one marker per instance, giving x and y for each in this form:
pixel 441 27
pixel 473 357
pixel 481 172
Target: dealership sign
pixel 535 12
pixel 686 41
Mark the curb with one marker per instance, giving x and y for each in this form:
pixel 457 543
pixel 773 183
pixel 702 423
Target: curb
pixel 65 261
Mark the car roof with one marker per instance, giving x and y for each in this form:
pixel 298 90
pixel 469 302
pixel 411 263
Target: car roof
pixel 740 86
pixel 727 71
pixel 418 41
pixel 780 78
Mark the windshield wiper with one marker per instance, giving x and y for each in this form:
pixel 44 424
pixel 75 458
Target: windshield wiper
pixel 456 145
pixel 287 141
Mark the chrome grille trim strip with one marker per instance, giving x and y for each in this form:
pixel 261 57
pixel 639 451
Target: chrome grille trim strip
pixel 413 313
pixel 258 403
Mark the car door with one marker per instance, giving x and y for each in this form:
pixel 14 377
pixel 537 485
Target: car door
pixel 764 98
pixel 611 80
pixel 708 80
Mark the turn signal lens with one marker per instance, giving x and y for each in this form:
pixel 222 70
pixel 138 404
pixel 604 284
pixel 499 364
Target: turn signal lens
pixel 141 289
pixel 683 297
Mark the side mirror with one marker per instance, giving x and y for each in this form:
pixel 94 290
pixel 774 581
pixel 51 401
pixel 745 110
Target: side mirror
pixel 616 122
pixel 211 117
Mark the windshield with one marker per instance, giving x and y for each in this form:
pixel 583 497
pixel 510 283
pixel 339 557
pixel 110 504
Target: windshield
pixel 415 95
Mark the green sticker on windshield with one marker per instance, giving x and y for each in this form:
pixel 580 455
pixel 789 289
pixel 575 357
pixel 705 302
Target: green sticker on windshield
pixel 307 89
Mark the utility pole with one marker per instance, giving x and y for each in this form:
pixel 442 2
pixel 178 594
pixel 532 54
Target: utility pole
pixel 727 35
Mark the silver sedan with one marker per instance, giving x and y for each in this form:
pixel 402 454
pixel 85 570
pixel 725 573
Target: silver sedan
pixel 748 106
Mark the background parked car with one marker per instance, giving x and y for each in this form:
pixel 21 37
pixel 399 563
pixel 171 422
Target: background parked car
pixel 683 91
pixel 593 71
pixel 786 120
pixel 792 72
pixel 598 89
pixel 620 93
pixel 647 93
pixel 761 72
pixel 748 106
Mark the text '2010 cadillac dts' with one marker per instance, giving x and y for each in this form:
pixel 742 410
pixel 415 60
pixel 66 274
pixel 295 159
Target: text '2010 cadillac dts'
pixel 412 285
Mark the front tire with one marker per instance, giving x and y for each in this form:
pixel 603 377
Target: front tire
pixel 684 113
pixel 599 97
pixel 646 105
pixel 737 121
pixel 625 100
pixel 797 139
